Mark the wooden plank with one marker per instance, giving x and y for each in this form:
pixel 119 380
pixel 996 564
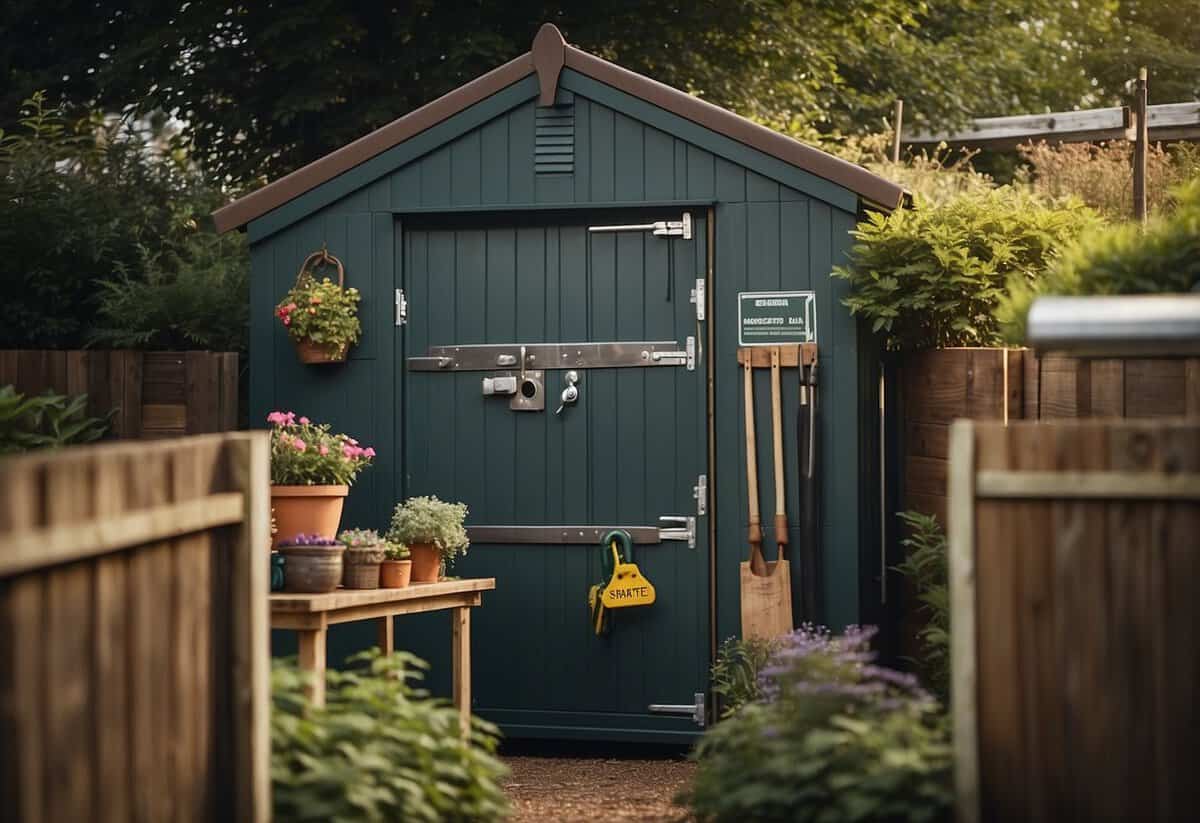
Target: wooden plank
pixel 934 505
pixel 1155 388
pixel 202 389
pixel 8 367
pixel 961 536
pixel 1086 126
pixel 1016 361
pixel 112 745
pixel 158 417
pixel 33 372
pixel 312 644
pixel 386 634
pixel 22 616
pixel 131 397
pixel 227 411
pixel 61 544
pixel 986 384
pixel 927 439
pixel 77 377
pixel 1031 379
pixel 1061 394
pixel 371 611
pixel 99 389
pixel 164 368
pixel 935 385
pixel 1067 484
pixel 346 598
pixel 1107 383
pixel 1191 387
pixel 250 644
pixel 67 633
pixel 789 355
pixel 460 642
pixel 925 475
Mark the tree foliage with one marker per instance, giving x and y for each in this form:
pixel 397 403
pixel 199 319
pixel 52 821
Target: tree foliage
pixel 263 88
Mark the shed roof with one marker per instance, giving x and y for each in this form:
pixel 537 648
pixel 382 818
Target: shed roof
pixel 547 58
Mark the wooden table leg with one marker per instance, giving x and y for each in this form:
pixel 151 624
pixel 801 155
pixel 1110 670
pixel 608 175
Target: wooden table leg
pixel 460 653
pixel 387 634
pixel 312 658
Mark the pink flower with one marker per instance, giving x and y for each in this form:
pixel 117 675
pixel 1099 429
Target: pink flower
pixel 351 441
pixel 348 451
pixel 369 452
pixel 277 418
pixel 324 450
pixel 304 421
pixel 287 321
pixel 299 444
pixel 291 306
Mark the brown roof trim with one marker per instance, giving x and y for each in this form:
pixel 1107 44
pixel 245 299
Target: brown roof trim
pixel 846 174
pixel 549 52
pixel 257 203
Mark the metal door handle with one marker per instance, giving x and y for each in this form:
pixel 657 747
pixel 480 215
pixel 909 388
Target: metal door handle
pixel 571 393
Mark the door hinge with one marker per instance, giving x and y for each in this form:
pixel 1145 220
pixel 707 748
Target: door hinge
pixel 401 308
pixel 659 228
pixel 700 492
pixel 698 298
pixel 696 709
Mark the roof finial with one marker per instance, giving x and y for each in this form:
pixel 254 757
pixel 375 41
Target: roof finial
pixel 549 53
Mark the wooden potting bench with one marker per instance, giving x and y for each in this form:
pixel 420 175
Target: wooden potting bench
pixel 310 615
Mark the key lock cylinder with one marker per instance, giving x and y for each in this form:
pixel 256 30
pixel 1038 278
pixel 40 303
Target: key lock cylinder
pixel 527 388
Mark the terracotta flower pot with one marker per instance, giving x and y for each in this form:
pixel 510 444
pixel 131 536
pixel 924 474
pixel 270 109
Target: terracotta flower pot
pixel 310 352
pixel 395 574
pixel 426 562
pixel 362 567
pixel 311 569
pixel 307 510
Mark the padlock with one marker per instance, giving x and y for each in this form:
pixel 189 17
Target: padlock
pixel 628 586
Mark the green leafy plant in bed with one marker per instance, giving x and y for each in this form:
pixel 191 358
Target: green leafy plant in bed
pixel 926 566
pixel 932 276
pixel 46 421
pixel 1161 257
pixel 379 749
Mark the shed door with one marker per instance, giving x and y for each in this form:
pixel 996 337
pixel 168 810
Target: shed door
pixel 628 452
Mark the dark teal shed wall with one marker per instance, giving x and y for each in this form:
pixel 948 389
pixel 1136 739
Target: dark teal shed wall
pixel 777 227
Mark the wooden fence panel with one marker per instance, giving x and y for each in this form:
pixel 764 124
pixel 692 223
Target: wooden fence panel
pixel 154 394
pixel 1073 562
pixel 133 632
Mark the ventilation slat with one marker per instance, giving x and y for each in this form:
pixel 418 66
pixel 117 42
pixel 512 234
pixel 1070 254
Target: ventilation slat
pixel 554 139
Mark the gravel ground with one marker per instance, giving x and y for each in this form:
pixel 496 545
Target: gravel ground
pixel 596 786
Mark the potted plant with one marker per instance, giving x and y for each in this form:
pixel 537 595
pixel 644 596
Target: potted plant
pixel 433 531
pixel 311 473
pixel 396 570
pixel 321 317
pixel 312 563
pixel 364 553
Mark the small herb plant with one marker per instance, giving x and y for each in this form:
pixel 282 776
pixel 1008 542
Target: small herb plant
pixel 322 312
pixel 304 453
pixel 395 551
pixel 429 520
pixel 735 674
pixel 925 564
pixel 311 540
pixel 359 538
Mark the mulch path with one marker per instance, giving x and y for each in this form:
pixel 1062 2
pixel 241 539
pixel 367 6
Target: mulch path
pixel 578 787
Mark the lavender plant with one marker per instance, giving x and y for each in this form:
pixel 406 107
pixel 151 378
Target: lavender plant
pixel 834 736
pixel 310 540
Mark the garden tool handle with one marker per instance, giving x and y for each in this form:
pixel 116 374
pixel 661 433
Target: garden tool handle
pixel 755 535
pixel 781 524
pixel 323 256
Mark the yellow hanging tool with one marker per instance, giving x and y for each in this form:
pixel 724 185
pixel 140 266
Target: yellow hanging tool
pixel 627 586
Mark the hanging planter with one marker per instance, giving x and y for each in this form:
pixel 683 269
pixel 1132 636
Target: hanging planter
pixel 311 473
pixel 321 317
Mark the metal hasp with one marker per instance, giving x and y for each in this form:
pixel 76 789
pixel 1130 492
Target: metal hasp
pixel 660 228
pixel 401 308
pixel 1128 326
pixel 685 530
pixel 696 709
pixel 698 298
pixel 700 492
pixel 609 355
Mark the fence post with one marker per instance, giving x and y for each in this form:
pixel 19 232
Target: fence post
pixel 897 122
pixel 1141 146
pixel 960 535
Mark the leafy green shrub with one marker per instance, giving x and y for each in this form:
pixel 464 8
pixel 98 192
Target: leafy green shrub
pixel 925 564
pixel 429 520
pixel 932 276
pixel 379 749
pixel 196 297
pixel 47 421
pixel 735 672
pixel 1162 257
pixel 93 200
pixel 834 737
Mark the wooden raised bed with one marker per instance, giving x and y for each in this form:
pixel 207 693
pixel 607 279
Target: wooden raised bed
pixel 156 394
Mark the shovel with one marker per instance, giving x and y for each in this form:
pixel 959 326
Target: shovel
pixel 766 596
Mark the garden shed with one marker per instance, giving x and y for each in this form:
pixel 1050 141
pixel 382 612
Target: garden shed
pixel 561 217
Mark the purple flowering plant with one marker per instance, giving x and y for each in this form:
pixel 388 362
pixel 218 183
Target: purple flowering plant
pixel 304 453
pixel 311 540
